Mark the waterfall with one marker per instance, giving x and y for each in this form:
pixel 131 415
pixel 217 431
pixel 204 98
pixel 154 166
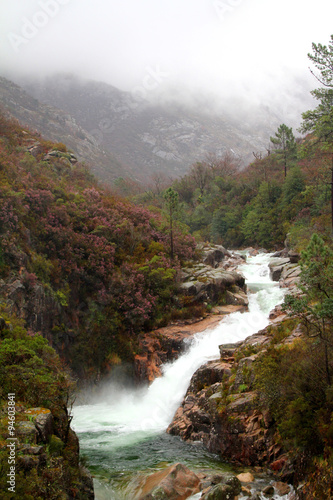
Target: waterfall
pixel 126 423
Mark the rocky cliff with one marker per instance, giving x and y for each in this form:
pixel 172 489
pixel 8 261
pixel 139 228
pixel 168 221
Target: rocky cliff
pixel 39 452
pixel 45 464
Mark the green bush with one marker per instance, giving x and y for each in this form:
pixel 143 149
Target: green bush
pixel 291 383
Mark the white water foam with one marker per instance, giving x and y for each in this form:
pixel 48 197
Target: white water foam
pixel 125 417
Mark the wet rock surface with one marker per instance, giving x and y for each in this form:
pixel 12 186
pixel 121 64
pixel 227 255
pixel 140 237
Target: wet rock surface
pixel 215 279
pixel 177 482
pixel 220 407
pixel 166 344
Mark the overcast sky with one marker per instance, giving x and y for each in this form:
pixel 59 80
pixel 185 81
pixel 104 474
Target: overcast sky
pixel 253 48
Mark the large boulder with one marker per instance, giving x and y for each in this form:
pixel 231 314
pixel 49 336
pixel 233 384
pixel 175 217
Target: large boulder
pixel 208 374
pixel 202 283
pixel 176 482
pixel 224 491
pixel 35 149
pixel 276 266
pixel 275 272
pixel 214 254
pixel 285 270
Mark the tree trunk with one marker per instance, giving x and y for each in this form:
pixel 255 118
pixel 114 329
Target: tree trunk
pixel 327 365
pixel 332 196
pixel 171 236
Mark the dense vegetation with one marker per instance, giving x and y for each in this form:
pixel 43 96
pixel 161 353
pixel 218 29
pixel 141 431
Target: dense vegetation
pixel 259 205
pixel 104 264
pixel 34 381
pixel 294 381
pixel 287 192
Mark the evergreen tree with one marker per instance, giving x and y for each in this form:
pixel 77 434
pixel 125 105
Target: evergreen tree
pixel 285 146
pixel 320 120
pixel 171 201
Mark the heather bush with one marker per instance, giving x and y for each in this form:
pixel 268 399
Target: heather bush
pixel 91 251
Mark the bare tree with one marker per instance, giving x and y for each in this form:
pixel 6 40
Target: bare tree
pixel 200 174
pixel 159 182
pixel 226 165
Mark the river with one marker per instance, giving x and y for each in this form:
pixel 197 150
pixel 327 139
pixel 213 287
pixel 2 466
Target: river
pixel 122 429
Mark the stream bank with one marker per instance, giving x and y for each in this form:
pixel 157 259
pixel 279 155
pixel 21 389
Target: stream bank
pixel 122 431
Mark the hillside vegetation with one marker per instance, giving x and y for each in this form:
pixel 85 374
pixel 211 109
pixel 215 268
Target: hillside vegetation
pixel 259 206
pixel 57 125
pixel 86 269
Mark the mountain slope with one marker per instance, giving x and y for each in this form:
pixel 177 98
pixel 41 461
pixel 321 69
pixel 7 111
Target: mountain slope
pixel 60 126
pixel 88 270
pixel 154 137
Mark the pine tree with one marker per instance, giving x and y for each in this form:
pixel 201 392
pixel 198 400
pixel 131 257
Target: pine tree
pixel 285 146
pixel 171 198
pixel 320 120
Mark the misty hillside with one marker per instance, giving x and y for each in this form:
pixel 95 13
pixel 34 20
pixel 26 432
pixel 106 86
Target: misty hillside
pixel 150 137
pixel 59 126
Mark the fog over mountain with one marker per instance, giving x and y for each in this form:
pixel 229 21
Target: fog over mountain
pixel 241 61
pixel 97 120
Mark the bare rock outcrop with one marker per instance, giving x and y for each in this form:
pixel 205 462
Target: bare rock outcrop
pixel 220 408
pixel 205 284
pixel 284 268
pixel 40 309
pixel 166 344
pixel 214 280
pixel 173 483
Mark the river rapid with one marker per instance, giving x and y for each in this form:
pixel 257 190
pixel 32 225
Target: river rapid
pixel 122 429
